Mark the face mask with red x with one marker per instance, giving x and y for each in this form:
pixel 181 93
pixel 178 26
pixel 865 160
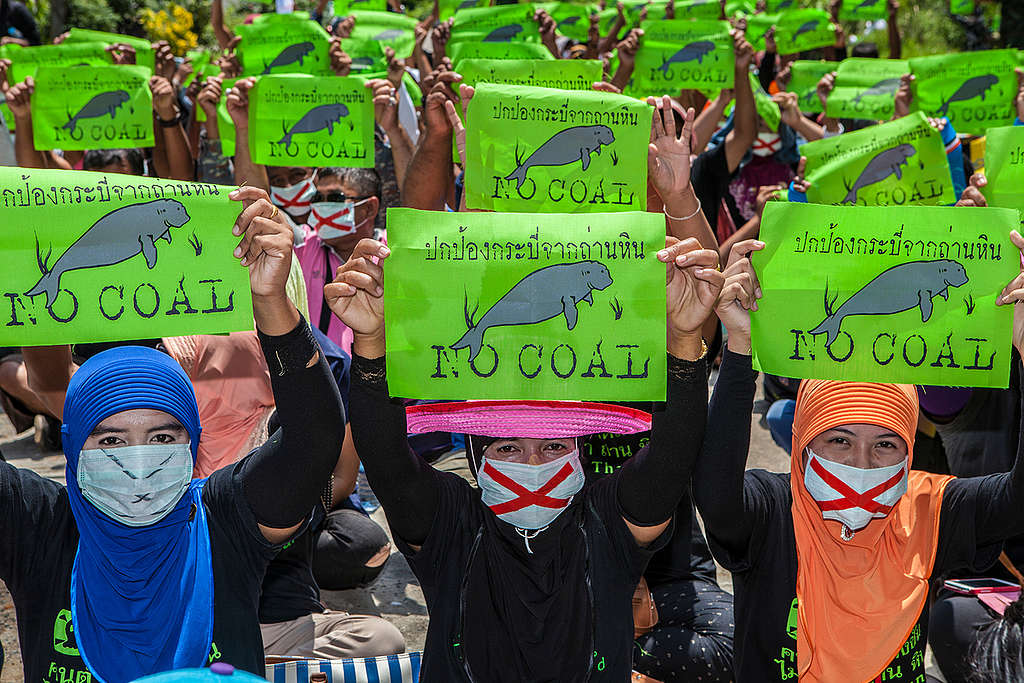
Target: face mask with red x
pixel 852 495
pixel 530 496
pixel 334 219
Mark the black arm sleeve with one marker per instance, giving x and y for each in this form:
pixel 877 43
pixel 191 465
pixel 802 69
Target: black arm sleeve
pixel 651 483
pixel 406 486
pixel 718 477
pixel 283 478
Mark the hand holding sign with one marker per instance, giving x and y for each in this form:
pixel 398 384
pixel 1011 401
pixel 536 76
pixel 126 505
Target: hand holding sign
pixel 739 295
pixel 357 297
pixel 266 244
pixel 693 284
pixel 1013 293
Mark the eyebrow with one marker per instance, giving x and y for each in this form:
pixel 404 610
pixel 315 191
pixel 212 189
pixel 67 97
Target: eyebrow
pixel 886 435
pixel 167 427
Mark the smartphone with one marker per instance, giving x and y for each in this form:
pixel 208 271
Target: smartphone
pixel 979 586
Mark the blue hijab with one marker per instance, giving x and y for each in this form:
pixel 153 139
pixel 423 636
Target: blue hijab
pixel 142 597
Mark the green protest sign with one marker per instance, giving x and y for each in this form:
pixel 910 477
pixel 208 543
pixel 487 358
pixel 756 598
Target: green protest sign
pixel 683 53
pixel 974 90
pixel 544 150
pixel 899 163
pixel 344 8
pixel 776 6
pixel 804 29
pixel 306 121
pixel 144 55
pixel 803 80
pixel 5 111
pixel 201 66
pixel 885 294
pixel 450 7
pixel 394 30
pixel 225 126
pixel 563 74
pixel 964 7
pixel 104 257
pixel 866 88
pixel 25 60
pixel 571 20
pixel 697 9
pixel 92 107
pixel 766 107
pixel 473 49
pixel 549 306
pixel 863 10
pixel 283 43
pixel 367 54
pixel 1004 167
pixel 757 26
pixel 739 8
pixel 501 24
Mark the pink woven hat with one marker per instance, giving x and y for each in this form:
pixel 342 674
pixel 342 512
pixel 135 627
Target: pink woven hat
pixel 526 419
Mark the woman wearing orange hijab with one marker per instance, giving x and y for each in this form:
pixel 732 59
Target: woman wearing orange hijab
pixel 831 565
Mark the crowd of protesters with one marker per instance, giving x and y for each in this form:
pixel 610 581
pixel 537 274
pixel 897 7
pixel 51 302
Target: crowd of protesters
pixel 211 479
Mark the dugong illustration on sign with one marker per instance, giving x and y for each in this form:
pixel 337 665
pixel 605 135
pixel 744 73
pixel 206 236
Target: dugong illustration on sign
pixel 543 294
pixel 503 34
pixel 696 50
pixel 565 147
pixel 886 86
pixel 389 34
pixel 317 118
pixel 971 88
pixel 290 55
pixel 118 236
pixel 806 27
pixel 884 164
pixel 900 288
pixel 100 105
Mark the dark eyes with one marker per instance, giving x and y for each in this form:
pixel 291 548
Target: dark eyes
pixel 110 441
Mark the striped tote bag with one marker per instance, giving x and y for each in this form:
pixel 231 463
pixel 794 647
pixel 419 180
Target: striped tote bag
pixel 404 668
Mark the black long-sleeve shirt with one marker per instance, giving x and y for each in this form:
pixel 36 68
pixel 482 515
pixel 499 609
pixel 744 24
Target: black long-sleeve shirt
pixel 277 486
pixel 749 523
pixel 497 613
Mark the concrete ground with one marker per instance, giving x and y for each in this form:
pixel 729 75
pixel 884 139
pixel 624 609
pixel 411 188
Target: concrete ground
pixel 395 595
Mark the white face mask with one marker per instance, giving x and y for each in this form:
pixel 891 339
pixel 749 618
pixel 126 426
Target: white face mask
pixel 852 495
pixel 530 496
pixel 334 219
pixel 294 199
pixel 135 485
pixel 767 144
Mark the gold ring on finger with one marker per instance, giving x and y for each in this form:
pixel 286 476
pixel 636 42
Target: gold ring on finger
pixel 273 214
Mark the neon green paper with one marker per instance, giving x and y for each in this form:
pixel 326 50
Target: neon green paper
pixel 1004 167
pixel 899 163
pixel 343 8
pixel 697 9
pixel 586 319
pixel 367 54
pixel 803 29
pixel 683 53
pixel 863 10
pixel 571 20
pixel 803 80
pixel 450 7
pixel 394 30
pixel 563 74
pixel 225 126
pixel 474 49
pixel 866 88
pixel 965 7
pixel 544 150
pixel 766 107
pixel 25 60
pixel 283 43
pixel 885 294
pixel 975 90
pixel 776 6
pixel 144 55
pixel 306 121
pixel 92 107
pixel 501 24
pixel 757 26
pixel 109 257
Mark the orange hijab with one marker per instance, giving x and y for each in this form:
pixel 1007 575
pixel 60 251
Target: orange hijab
pixel 859 599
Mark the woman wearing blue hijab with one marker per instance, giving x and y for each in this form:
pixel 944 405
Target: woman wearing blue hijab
pixel 133 568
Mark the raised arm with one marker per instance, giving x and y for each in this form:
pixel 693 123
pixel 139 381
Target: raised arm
pixel 744 129
pixel 283 479
pixel 718 474
pixel 428 183
pixel 651 484
pixel 405 485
